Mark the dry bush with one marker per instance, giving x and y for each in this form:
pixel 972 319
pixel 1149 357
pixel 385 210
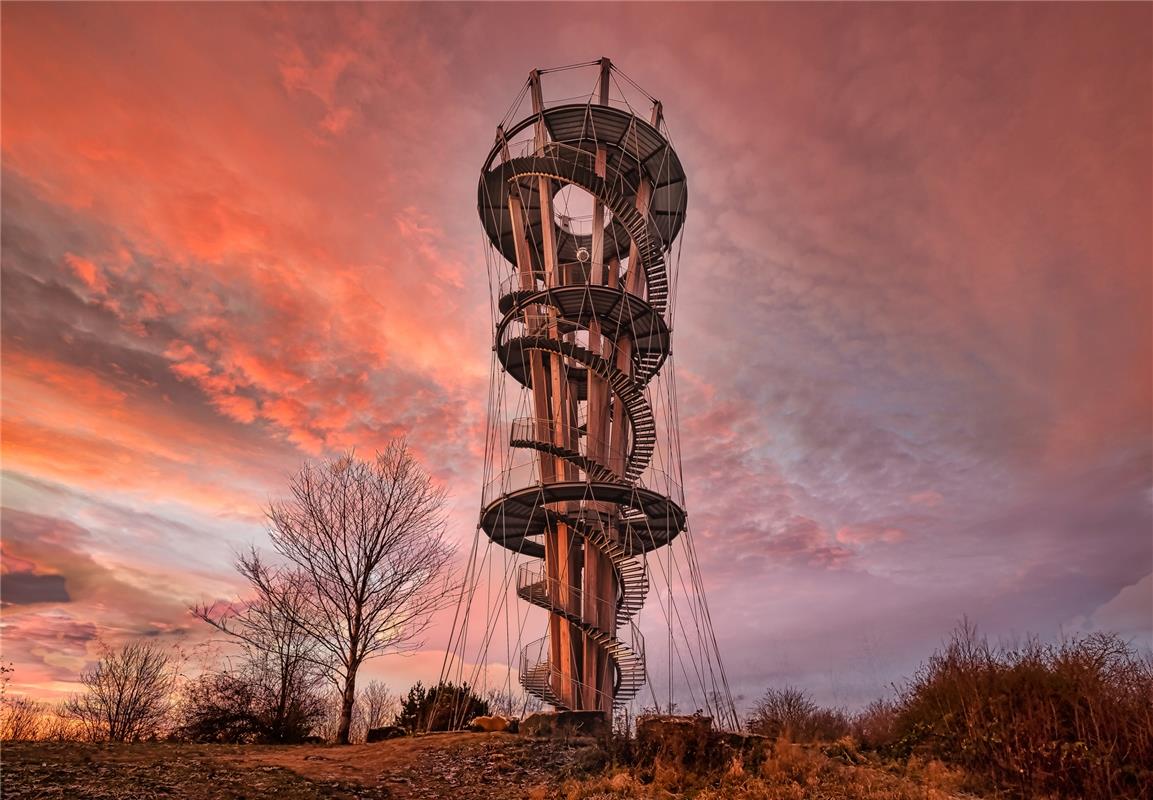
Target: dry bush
pixel 683 744
pixel 513 705
pixel 1071 720
pixel 620 784
pixel 874 726
pixel 376 706
pixel 328 724
pixel 22 719
pixel 790 713
pixel 249 705
pixel 270 691
pixel 59 727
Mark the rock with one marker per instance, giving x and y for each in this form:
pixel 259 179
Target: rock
pixel 567 723
pixel 387 732
pixel 493 724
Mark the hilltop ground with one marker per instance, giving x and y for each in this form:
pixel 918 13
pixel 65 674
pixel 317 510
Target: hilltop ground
pixel 452 765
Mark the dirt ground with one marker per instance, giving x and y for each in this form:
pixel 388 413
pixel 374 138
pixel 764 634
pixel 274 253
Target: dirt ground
pixel 469 766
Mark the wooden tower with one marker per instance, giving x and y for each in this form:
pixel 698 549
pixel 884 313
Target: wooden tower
pixel 584 486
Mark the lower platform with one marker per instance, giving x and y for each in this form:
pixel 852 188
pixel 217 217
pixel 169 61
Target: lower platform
pixel 517 520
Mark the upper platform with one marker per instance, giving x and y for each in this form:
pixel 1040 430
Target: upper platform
pixel 635 152
pixel 614 116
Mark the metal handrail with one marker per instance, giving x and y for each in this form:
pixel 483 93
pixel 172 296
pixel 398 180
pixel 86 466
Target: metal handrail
pixel 510 479
pixel 527 324
pixel 523 476
pixel 663 483
pixel 635 642
pixel 570 273
pixel 618 182
pixel 532 574
pixel 576 438
pixel 549 151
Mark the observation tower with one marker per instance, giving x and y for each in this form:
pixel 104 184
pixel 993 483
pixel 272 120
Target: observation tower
pixel 582 200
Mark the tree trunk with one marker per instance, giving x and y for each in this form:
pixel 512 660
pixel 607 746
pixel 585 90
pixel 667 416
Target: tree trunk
pixel 347 699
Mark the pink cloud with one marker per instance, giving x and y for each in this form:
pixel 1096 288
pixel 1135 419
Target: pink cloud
pixel 927 498
pixel 869 534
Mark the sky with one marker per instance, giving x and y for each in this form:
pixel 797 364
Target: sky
pixel 913 332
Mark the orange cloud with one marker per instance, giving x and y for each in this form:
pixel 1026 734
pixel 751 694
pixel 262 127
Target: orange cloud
pixel 87 272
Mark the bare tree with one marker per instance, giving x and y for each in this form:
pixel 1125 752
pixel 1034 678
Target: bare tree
pixel 127 697
pixel 378 705
pixel 364 551
pixel 791 713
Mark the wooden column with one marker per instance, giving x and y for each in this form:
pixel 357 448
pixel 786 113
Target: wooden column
pixel 600 590
pixel 562 546
pixel 524 265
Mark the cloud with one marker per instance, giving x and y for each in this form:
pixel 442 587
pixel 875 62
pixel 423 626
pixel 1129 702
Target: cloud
pixel 87 272
pixel 1128 613
pixel 865 534
pixel 25 588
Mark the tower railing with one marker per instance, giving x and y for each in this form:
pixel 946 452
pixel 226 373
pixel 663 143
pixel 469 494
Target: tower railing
pixel 570 273
pixel 526 475
pixel 539 677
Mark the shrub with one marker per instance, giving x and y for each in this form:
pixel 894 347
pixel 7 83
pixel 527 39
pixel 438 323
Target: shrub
pixel 1068 720
pixel 248 706
pixel 874 726
pixel 21 718
pixel 444 707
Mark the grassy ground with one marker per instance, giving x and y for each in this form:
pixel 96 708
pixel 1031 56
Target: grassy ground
pixel 458 765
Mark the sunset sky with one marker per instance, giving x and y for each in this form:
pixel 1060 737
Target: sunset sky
pixel 913 340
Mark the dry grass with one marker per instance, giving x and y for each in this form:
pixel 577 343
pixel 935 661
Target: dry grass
pixel 790 772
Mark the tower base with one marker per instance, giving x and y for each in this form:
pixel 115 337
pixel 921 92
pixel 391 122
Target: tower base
pixel 563 724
